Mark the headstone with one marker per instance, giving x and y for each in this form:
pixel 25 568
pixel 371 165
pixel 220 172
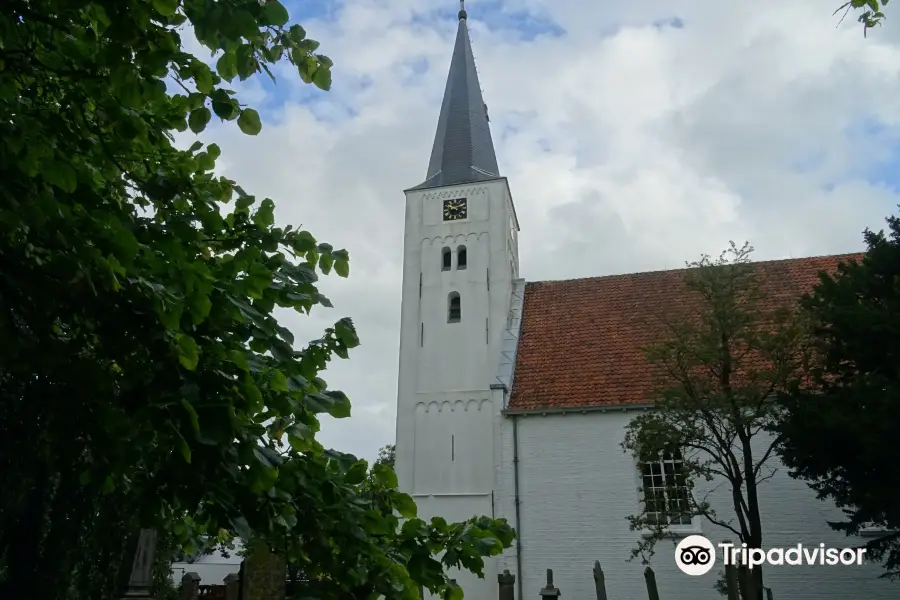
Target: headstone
pixel 550 592
pixel 190 587
pixel 599 581
pixel 232 586
pixel 507 582
pixel 263 575
pixel 650 577
pixel 142 566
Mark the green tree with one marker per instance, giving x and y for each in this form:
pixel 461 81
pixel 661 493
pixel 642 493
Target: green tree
pixel 870 12
pixel 387 455
pixel 726 351
pixel 144 378
pixel 840 431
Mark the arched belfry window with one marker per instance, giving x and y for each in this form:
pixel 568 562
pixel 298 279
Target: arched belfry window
pixel 454 308
pixel 461 257
pixel 445 259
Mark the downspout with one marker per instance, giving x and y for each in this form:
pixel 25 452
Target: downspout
pixel 515 424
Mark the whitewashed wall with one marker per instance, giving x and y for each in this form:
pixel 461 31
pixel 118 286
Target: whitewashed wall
pixel 577 487
pixel 212 568
pixel 446 412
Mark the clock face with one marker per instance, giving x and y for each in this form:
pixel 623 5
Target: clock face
pixel 454 209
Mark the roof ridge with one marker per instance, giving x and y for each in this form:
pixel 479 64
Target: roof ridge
pixel 656 271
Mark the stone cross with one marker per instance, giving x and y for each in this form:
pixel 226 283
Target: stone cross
pixel 550 592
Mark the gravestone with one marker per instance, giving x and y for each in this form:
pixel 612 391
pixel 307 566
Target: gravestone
pixel 142 566
pixel 264 575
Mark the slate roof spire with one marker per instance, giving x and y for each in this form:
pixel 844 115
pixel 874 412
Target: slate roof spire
pixel 463 150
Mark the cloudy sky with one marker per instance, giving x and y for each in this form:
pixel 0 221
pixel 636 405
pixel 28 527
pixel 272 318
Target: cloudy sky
pixel 635 136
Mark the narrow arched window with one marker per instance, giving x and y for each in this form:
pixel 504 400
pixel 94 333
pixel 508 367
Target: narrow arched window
pixel 445 259
pixel 454 308
pixel 461 257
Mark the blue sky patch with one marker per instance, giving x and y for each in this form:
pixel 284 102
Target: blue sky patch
pixel 879 164
pixel 528 25
pixel 307 10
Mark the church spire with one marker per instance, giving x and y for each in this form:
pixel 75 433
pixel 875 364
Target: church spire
pixel 463 150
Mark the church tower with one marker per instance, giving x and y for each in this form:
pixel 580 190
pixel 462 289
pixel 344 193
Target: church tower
pixel 460 259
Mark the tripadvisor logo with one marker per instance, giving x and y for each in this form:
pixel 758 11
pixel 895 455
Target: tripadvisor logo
pixel 696 555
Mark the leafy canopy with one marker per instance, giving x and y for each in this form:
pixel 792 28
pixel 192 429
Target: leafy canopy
pixel 726 349
pixel 871 13
pixel 840 433
pixel 144 372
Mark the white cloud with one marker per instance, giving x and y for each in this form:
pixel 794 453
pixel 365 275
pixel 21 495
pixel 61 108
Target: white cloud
pixel 628 146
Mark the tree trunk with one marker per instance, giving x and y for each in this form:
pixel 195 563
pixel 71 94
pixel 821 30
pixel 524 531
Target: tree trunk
pixel 23 540
pixel 755 581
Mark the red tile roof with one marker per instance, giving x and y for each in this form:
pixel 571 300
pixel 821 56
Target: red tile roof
pixel 583 341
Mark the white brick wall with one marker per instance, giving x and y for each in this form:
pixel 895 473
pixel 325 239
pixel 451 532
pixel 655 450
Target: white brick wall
pixel 577 486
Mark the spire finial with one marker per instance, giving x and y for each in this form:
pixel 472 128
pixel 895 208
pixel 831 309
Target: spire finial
pixel 462 10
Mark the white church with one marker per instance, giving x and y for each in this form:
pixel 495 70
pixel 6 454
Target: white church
pixel 513 397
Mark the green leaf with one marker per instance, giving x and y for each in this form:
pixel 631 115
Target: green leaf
pixel 166 8
pixel 241 528
pixel 201 306
pixel 296 33
pixel 303 242
pixel 346 333
pixel 268 457
pixel 274 13
pixel 322 78
pixel 325 262
pixel 342 267
pixel 455 592
pixel 385 476
pixel 300 437
pixel 265 214
pixel 192 415
pixel 188 352
pixel 184 449
pixel 405 505
pixel 239 358
pixel 202 77
pixel 170 315
pixel 226 66
pixel 357 473
pixel 249 121
pixel 277 381
pixel 225 109
pixel 205 162
pixel 61 175
pixel 253 395
pixel 198 119
pixel 308 46
pixel 335 403
pixel 306 66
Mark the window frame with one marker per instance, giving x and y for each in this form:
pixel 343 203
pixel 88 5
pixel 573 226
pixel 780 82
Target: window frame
pixel 446 258
pixel 694 527
pixel 450 298
pixel 462 252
